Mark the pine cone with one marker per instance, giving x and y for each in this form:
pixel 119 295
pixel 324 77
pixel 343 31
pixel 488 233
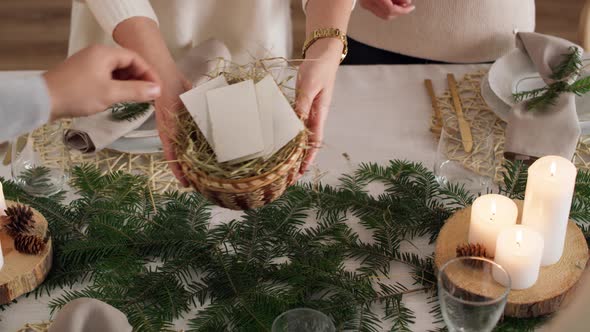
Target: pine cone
pixel 20 220
pixel 473 250
pixel 30 244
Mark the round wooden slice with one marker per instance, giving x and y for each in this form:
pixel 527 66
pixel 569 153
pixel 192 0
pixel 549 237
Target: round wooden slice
pixel 22 273
pixel 555 281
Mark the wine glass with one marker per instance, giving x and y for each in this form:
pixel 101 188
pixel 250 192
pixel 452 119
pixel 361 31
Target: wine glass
pixel 474 170
pixel 39 171
pixel 471 299
pixel 303 320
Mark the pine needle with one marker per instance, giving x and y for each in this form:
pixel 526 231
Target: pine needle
pixel 37 178
pixel 545 97
pixel 128 111
pixel 570 66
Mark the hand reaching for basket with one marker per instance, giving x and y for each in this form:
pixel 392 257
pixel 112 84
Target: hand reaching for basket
pixel 388 9
pixel 315 85
pixel 142 35
pixel 167 107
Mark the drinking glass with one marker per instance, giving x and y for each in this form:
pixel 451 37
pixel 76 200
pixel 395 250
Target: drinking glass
pixel 474 170
pixel 471 300
pixel 41 171
pixel 303 320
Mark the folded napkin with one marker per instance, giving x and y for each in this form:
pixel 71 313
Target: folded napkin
pixel 89 315
pixel 554 131
pixel 98 131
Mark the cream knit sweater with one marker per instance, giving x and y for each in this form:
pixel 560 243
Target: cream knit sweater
pixel 250 28
pixel 448 30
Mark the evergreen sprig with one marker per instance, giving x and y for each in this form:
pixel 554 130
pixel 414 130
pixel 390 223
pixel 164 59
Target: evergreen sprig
pixel 128 111
pixel 159 257
pixel 37 178
pixel 570 66
pixel 568 69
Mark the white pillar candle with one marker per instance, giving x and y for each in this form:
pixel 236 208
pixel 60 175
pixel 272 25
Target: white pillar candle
pixel 547 203
pixel 518 251
pixel 2 201
pixel 490 214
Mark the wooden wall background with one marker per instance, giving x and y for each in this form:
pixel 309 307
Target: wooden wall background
pixel 34 33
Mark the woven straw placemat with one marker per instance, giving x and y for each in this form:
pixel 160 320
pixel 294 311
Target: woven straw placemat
pixel 483 122
pixel 151 165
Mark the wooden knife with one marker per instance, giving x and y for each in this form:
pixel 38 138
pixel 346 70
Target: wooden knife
pixel 437 126
pixel 21 142
pixel 464 128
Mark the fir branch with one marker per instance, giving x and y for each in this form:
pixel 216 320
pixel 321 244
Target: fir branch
pixel 128 111
pixel 37 178
pixel 542 98
pixel 256 267
pixel 580 86
pixel 549 98
pixel 401 316
pixel 569 66
pixel 514 179
pixel 524 95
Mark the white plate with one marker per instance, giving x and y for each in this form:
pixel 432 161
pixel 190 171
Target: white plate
pixel 501 109
pixel 143 140
pixel 147 129
pixel 137 145
pixel 515 72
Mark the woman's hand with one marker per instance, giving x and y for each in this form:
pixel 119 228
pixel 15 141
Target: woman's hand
pixel 93 79
pixel 388 9
pixel 167 107
pixel 142 35
pixel 315 84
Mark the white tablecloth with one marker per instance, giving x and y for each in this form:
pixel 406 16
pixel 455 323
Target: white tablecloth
pixel 379 113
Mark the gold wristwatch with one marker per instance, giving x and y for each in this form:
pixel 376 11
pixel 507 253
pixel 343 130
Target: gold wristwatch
pixel 327 33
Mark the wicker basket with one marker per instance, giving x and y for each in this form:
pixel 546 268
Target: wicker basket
pixel 248 193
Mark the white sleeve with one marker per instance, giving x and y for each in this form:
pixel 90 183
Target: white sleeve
pixel 109 13
pixel 25 104
pixel 304 3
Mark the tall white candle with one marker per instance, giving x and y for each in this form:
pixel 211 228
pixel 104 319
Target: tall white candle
pixel 518 251
pixel 547 203
pixel 490 214
pixel 2 201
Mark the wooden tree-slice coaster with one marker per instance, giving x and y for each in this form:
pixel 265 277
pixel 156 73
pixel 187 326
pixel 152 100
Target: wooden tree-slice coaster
pixel 23 273
pixel 554 284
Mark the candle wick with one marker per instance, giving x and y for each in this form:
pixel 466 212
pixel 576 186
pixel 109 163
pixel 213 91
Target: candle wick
pixel 518 244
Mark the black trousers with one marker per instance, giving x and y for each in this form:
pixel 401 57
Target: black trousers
pixel 363 54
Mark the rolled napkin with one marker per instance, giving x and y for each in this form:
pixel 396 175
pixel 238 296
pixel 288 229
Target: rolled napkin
pixel 554 130
pixel 89 315
pixel 98 131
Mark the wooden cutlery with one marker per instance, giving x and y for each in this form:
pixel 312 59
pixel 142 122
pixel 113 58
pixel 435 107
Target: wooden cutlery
pixel 464 128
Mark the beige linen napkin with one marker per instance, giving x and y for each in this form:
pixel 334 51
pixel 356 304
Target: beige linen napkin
pixel 554 131
pixel 98 131
pixel 89 315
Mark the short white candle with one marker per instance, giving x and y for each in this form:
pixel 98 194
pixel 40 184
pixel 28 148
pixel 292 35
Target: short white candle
pixel 490 214
pixel 518 251
pixel 2 201
pixel 547 203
